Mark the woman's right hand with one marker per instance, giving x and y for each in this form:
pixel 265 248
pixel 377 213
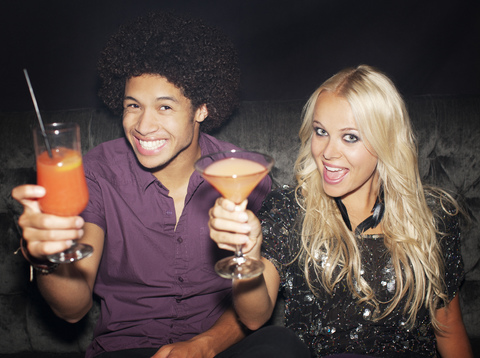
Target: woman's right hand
pixel 45 234
pixel 232 225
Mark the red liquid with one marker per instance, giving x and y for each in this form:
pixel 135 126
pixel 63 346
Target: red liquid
pixel 235 178
pixel 64 180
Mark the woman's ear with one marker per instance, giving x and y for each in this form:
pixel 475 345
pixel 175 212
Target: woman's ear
pixel 201 113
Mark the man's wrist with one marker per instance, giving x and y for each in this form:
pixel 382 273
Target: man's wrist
pixel 42 266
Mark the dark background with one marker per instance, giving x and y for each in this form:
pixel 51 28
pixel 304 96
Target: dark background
pixel 286 48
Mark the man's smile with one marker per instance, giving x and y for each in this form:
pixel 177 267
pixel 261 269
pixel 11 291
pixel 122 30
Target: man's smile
pixel 151 144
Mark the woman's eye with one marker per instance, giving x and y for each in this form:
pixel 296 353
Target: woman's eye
pixel 350 138
pixel 320 132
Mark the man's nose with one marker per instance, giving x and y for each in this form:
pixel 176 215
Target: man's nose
pixel 147 122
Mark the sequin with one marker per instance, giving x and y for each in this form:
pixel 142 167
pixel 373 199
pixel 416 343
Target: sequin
pixel 309 298
pixel 337 323
pixel 329 330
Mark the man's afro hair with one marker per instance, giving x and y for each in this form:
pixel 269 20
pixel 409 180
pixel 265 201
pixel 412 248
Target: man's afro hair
pixel 196 58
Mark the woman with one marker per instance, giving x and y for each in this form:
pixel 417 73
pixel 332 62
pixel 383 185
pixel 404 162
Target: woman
pixel 379 282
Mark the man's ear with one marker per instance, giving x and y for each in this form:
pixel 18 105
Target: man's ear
pixel 201 113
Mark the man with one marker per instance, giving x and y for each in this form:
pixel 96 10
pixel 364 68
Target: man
pixel 147 218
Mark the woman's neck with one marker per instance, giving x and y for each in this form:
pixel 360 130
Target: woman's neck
pixel 363 216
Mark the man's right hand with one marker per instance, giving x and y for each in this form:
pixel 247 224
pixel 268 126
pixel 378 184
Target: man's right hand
pixel 45 234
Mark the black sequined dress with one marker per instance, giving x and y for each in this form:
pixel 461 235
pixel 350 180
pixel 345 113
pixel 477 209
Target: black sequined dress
pixel 337 323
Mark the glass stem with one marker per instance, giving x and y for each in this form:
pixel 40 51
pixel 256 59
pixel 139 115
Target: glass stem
pixel 238 251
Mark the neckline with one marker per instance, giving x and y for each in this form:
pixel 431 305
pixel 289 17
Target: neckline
pixel 371 222
pixel 371 236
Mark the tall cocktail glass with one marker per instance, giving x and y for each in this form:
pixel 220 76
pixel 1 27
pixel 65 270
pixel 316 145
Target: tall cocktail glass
pixel 235 174
pixel 60 172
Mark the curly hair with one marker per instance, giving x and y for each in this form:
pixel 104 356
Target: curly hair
pixel 196 58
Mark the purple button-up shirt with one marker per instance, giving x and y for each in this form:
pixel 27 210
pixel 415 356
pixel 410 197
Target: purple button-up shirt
pixel 156 283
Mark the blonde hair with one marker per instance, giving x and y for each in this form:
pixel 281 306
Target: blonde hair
pixel 408 223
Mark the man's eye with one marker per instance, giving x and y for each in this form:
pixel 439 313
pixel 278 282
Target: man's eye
pixel 165 108
pixel 131 105
pixel 320 132
pixel 350 138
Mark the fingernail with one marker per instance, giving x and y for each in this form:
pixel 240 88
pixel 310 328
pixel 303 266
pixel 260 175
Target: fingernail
pixel 79 222
pixel 243 216
pixel 69 243
pixel 231 206
pixel 246 228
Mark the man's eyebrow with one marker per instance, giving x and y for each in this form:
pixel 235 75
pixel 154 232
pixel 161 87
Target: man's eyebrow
pixel 161 98
pixel 168 98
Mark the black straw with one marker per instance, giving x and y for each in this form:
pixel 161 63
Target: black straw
pixel 40 122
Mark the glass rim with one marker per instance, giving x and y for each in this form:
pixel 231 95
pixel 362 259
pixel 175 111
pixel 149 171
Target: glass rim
pixel 268 158
pixel 57 127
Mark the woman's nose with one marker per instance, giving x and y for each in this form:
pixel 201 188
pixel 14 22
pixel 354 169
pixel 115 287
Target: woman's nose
pixel 331 151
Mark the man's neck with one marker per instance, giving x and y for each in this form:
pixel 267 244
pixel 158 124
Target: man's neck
pixel 176 174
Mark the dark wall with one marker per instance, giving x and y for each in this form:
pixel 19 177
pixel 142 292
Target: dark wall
pixel 286 48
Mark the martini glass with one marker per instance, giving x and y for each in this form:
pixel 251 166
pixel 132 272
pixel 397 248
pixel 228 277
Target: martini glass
pixel 235 174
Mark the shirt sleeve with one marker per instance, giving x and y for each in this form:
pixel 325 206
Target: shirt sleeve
pixel 448 235
pixel 450 240
pixel 278 216
pixel 95 211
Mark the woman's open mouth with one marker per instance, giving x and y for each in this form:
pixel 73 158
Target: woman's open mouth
pixel 334 175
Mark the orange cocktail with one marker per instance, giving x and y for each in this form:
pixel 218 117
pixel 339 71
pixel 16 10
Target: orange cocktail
pixel 60 172
pixel 64 180
pixel 235 174
pixel 235 178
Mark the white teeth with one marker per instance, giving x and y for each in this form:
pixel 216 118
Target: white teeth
pixel 151 144
pixel 330 169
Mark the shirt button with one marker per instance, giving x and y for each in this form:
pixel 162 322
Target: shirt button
pixel 179 240
pixel 178 300
pixel 180 279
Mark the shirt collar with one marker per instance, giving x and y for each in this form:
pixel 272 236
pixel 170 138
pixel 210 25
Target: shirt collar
pixel 206 147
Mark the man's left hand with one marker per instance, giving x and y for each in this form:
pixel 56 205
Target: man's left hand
pixel 194 348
